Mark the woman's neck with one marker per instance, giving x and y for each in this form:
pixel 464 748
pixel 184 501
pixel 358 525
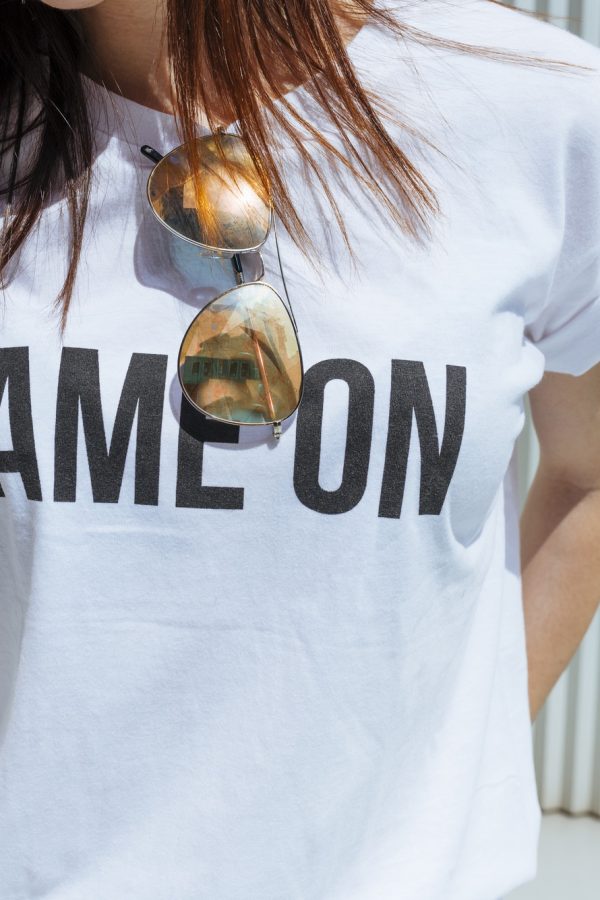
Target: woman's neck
pixel 128 47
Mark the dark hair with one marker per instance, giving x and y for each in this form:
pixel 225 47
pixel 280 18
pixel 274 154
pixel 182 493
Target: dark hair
pixel 209 42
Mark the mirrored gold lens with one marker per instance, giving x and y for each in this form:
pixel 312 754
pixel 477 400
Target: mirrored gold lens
pixel 230 211
pixel 240 360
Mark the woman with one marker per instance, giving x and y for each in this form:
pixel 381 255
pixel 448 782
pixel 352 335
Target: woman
pixel 242 668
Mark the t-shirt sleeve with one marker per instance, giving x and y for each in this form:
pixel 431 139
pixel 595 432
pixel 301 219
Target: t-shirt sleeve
pixel 567 327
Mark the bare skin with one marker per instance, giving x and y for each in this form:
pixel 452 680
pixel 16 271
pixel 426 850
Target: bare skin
pixel 128 49
pixel 560 526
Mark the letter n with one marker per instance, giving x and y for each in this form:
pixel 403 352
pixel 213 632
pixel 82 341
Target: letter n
pixel 410 393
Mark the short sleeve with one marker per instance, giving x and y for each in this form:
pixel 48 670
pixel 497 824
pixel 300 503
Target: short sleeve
pixel 567 327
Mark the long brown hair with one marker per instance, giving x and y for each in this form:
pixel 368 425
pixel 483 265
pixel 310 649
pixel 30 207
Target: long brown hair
pixel 40 53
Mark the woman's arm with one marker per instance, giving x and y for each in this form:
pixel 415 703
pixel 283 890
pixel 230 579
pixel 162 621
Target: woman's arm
pixel 560 526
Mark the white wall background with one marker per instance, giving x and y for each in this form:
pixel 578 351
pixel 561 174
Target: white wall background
pixel 567 731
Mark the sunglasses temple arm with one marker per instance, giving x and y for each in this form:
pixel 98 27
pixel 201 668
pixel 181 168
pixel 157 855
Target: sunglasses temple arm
pixel 287 296
pixel 150 153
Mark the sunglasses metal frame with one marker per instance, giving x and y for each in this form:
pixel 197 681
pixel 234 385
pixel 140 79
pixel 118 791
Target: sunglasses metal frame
pixel 225 252
pixel 236 262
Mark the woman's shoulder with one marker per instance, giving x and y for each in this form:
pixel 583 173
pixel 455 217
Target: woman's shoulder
pixel 493 24
pixel 550 87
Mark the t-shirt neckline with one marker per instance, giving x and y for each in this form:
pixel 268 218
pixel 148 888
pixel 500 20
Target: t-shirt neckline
pixel 127 120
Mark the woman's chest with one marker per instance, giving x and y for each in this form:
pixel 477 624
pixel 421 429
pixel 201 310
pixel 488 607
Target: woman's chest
pixel 415 369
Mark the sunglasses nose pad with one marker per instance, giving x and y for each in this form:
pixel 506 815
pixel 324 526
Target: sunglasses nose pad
pixel 240 359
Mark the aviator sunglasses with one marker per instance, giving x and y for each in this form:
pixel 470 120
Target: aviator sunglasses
pixel 239 361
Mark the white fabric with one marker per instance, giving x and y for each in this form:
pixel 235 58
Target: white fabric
pixel 236 679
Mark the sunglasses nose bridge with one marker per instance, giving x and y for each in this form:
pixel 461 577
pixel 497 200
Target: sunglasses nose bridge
pixel 236 264
pixel 256 266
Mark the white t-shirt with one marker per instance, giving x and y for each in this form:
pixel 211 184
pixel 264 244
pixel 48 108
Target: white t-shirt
pixel 236 669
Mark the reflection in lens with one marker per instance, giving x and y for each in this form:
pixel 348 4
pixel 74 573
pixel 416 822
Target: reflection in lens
pixel 230 213
pixel 240 360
